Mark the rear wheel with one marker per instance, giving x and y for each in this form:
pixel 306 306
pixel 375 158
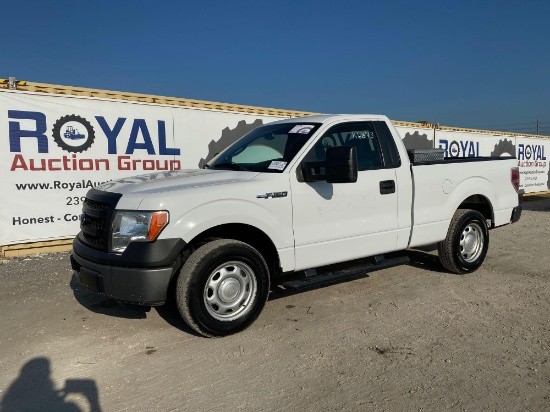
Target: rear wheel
pixel 465 247
pixel 222 287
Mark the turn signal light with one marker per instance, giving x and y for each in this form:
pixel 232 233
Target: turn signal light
pixel 158 221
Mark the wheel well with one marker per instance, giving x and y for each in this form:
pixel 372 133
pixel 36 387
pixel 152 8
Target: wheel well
pixel 479 203
pixel 244 233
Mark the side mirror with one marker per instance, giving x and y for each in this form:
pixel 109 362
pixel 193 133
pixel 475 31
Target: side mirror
pixel 341 164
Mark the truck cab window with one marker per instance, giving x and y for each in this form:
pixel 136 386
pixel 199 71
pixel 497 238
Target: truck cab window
pixel 360 135
pixel 268 148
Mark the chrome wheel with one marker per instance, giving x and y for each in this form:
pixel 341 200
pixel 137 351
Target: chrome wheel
pixel 229 290
pixel 471 242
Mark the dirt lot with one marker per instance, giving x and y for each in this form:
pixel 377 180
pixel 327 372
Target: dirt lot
pixel 405 338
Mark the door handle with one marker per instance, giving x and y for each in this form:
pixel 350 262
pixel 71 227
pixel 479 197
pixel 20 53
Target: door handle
pixel 387 187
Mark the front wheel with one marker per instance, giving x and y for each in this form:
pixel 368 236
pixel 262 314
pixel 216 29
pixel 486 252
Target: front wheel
pixel 465 247
pixel 222 287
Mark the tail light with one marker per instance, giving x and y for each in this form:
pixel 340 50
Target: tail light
pixel 515 178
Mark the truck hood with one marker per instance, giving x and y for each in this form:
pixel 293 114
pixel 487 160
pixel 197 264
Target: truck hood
pixel 145 185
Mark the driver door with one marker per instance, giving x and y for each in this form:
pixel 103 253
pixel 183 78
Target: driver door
pixel 336 222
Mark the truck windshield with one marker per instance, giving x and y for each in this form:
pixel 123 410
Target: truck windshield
pixel 267 148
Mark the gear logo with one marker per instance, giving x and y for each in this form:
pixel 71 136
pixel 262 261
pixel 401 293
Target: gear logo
pixel 73 133
pixel 504 147
pixel 417 141
pixel 454 149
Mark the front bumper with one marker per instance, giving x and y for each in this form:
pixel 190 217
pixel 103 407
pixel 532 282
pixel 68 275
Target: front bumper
pixel 141 278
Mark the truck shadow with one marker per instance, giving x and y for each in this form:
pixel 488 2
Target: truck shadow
pixel 170 314
pixel 536 203
pixel 97 303
pixel 278 291
pixel 421 258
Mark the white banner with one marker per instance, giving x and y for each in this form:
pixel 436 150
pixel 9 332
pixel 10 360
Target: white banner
pixel 54 148
pixel 465 144
pixel 531 154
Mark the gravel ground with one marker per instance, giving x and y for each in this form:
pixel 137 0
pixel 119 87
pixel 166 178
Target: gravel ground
pixel 406 338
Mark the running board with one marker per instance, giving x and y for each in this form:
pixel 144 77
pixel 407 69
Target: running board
pixel 344 275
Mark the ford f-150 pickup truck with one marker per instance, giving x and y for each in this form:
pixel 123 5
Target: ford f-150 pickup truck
pixel 295 196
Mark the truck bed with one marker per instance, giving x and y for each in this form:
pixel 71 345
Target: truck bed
pixel 439 187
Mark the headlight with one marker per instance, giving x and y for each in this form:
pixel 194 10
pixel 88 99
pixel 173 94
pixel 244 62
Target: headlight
pixel 135 226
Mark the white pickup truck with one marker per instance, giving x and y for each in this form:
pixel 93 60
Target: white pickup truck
pixel 294 196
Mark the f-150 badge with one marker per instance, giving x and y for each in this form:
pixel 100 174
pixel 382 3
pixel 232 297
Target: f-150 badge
pixel 272 195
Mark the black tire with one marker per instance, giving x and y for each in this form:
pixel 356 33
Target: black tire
pixel 222 287
pixel 465 247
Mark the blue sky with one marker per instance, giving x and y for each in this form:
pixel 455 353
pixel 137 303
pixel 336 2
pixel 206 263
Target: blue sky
pixel 481 64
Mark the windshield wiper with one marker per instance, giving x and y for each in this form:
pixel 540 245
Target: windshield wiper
pixel 231 165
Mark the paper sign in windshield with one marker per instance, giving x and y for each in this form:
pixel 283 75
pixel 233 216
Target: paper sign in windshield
pixel 302 128
pixel 277 165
